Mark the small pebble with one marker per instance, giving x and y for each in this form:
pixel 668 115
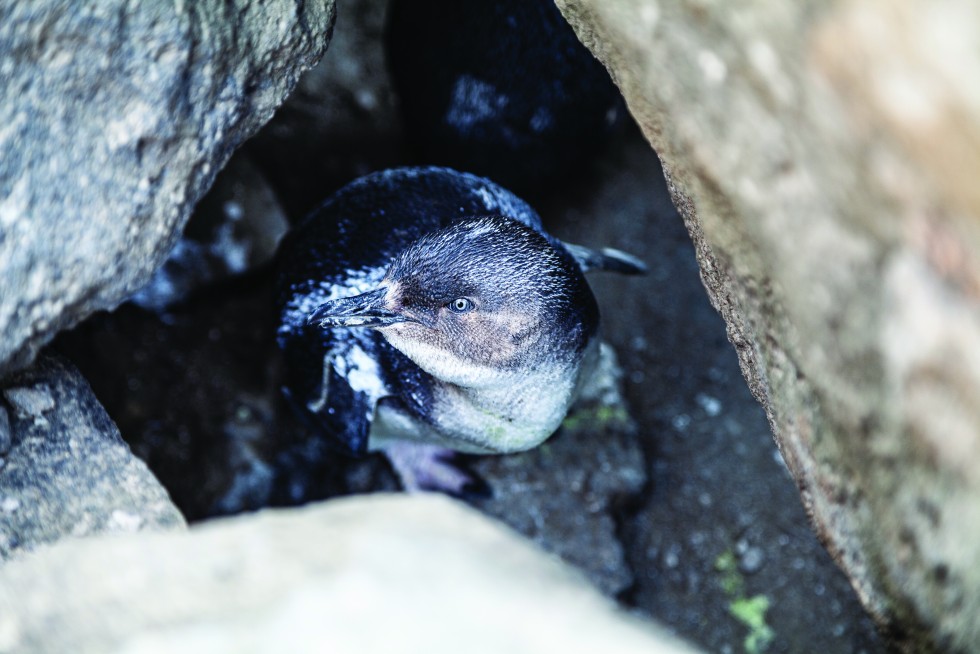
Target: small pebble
pixel 752 560
pixel 681 422
pixel 30 401
pixel 672 557
pixel 233 210
pixel 243 413
pixel 367 100
pixel 711 405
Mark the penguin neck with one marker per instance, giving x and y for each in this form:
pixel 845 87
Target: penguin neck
pixel 517 412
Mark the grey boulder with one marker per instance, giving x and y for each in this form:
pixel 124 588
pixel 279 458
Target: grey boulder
pixel 825 159
pixel 66 471
pixel 367 574
pixel 116 117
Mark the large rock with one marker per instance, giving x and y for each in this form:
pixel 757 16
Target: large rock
pixel 370 574
pixel 64 469
pixel 825 161
pixel 115 117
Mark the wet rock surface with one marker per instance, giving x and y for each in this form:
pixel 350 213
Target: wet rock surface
pixel 64 470
pixel 117 116
pixel 342 576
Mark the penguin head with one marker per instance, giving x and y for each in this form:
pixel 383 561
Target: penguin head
pixel 477 302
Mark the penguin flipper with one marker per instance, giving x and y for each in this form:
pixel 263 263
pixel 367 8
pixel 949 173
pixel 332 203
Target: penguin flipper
pixel 609 259
pixel 322 397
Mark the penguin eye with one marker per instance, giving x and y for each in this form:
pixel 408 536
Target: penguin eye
pixel 461 305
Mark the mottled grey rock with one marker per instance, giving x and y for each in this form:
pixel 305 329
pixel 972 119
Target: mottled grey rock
pixel 68 472
pixel 564 494
pixel 116 117
pixel 236 227
pixel 369 574
pixel 824 158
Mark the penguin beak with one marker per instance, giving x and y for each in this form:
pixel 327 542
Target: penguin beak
pixel 364 310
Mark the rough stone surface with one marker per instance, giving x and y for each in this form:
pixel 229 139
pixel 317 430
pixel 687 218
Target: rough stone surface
pixel 6 437
pixel 115 117
pixel 67 471
pixel 824 158
pixel 382 573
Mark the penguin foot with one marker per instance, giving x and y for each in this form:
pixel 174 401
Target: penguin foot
pixel 423 467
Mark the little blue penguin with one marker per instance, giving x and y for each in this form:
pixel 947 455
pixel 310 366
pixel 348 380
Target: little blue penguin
pixel 501 88
pixel 424 310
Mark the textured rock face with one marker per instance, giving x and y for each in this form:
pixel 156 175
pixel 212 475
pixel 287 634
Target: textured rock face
pixel 825 161
pixel 345 576
pixel 64 469
pixel 116 117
